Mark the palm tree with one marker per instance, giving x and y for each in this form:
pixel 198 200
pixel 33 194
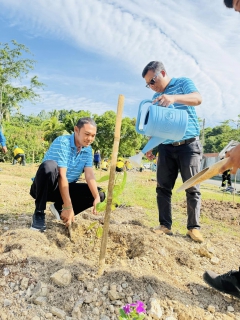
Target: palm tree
pixel 53 129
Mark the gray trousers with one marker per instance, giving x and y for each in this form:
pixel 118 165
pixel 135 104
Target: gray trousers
pixel 185 158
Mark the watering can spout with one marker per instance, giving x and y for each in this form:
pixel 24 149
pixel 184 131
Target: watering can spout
pixel 153 142
pixel 137 159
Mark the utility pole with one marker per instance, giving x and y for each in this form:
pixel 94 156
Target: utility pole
pixel 203 127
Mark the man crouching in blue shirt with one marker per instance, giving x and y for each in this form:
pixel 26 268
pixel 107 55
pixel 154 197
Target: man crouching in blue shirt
pixel 55 181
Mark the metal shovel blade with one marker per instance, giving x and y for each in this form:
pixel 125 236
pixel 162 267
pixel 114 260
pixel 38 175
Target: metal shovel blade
pixel 205 174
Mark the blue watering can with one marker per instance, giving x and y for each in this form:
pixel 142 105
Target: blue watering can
pixel 160 124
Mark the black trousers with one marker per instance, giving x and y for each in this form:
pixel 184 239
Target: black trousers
pixel 96 164
pixel 22 156
pixel 226 179
pixel 186 159
pixel 45 188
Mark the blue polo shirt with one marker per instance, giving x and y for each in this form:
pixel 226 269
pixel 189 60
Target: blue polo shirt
pixel 2 139
pixel 183 86
pixel 64 152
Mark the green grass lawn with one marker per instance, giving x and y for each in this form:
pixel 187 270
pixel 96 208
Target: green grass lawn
pixel 140 191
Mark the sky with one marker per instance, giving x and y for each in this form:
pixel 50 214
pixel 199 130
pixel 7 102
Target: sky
pixel 89 52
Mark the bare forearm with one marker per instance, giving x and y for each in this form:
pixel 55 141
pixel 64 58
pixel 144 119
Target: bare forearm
pixel 93 187
pixel 191 99
pixel 64 191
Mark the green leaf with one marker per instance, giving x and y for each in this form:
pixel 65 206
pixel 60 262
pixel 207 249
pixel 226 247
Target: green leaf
pixel 99 232
pixel 122 314
pixel 104 178
pixel 101 206
pixel 92 225
pixel 116 191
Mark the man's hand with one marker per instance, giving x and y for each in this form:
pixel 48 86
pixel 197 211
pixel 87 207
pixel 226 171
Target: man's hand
pixel 67 216
pixel 233 160
pixel 4 149
pixel 95 202
pixel 165 100
pixel 149 155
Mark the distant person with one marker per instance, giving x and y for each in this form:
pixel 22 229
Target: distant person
pixel 97 159
pixel 184 155
pixel 226 178
pixel 56 179
pixel 128 165
pixel 19 155
pixel 120 165
pixel 228 282
pixel 104 165
pixel 3 142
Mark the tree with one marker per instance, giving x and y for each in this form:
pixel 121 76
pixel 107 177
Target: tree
pixel 27 135
pixel 218 137
pixel 53 129
pixel 71 119
pixel 130 139
pixel 14 66
pixel 105 133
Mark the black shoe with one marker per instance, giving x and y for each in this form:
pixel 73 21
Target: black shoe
pixel 228 282
pixel 38 221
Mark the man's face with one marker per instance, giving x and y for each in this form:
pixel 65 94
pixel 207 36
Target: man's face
pixel 158 77
pixel 84 136
pixel 236 5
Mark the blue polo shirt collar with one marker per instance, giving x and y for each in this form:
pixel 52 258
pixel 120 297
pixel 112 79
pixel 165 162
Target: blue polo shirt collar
pixel 171 83
pixel 72 142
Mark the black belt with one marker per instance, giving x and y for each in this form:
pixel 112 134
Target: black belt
pixel 176 144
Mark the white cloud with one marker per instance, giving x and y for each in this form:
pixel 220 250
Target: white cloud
pixel 200 40
pixel 56 101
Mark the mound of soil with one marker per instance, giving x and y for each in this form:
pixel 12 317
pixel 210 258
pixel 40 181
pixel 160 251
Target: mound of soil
pixel 139 266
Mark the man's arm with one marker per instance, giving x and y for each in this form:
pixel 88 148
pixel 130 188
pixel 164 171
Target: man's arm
pixel 3 142
pixel 190 99
pixel 91 181
pixel 67 214
pixel 233 160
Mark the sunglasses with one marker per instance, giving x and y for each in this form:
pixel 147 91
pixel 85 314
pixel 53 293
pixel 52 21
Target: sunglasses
pixel 152 81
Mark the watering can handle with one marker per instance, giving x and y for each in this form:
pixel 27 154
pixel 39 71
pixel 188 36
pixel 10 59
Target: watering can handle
pixel 139 115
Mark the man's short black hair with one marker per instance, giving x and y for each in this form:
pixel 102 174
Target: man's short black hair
pixel 155 66
pixel 82 121
pixel 228 3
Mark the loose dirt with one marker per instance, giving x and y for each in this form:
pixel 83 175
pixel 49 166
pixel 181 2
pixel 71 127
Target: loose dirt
pixel 139 265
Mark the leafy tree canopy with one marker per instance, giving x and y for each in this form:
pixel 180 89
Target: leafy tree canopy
pixel 14 69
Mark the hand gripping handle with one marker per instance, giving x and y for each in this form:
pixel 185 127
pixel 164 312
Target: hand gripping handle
pixel 139 115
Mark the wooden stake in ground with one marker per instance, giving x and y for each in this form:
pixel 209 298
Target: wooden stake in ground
pixel 111 184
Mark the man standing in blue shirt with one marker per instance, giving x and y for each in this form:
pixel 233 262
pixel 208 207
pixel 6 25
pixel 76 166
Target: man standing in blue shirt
pixel 3 142
pixel 174 156
pixel 55 181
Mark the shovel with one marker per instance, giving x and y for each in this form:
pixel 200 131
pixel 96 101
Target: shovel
pixel 205 174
